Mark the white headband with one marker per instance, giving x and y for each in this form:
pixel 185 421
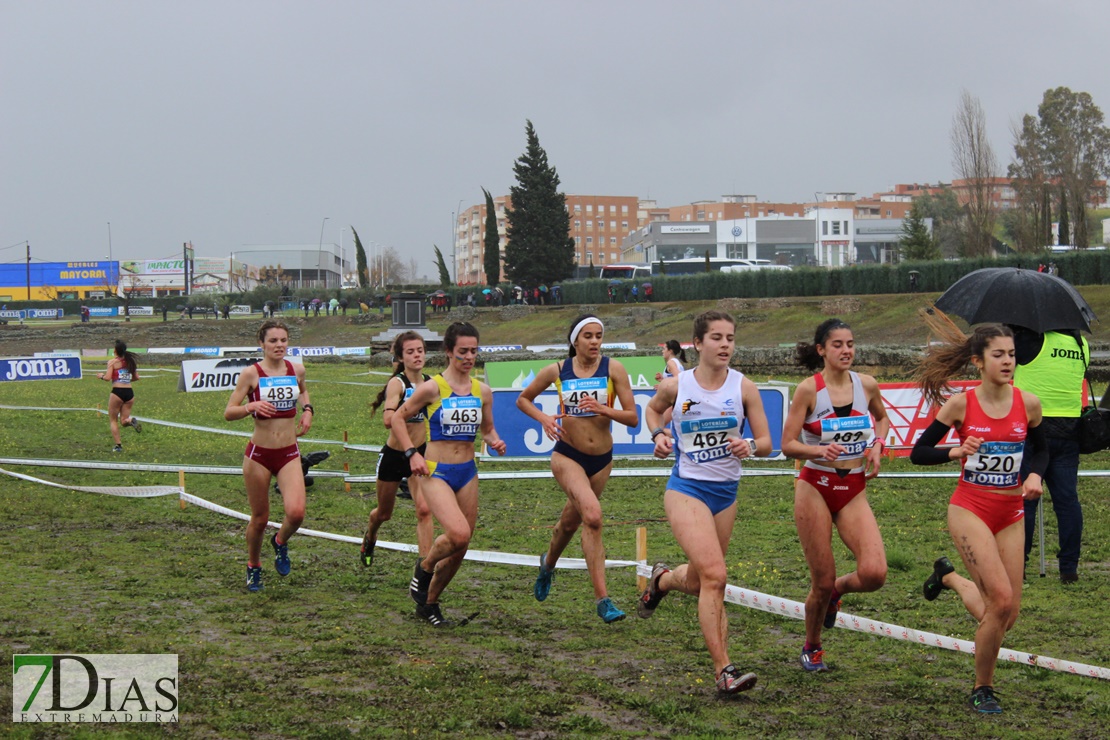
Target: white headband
pixel 579 326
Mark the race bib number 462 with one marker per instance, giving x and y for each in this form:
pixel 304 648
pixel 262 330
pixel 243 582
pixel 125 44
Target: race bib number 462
pixel 705 440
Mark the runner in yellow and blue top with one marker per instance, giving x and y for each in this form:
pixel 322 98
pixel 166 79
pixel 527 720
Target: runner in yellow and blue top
pixel 837 424
pixel 458 408
pixel 711 404
pixel 588 383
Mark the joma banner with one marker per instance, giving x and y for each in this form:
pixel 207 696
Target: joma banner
pixel 40 368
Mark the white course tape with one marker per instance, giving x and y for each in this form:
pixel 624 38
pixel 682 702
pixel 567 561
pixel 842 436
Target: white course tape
pixel 733 594
pixel 148 467
pixel 797 610
pixel 127 491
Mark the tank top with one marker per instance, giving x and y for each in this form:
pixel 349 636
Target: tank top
pixel 996 466
pixel 120 374
pixel 420 416
pixel 454 418
pixel 573 389
pixel 703 422
pixel 667 370
pixel 280 390
pixel 853 431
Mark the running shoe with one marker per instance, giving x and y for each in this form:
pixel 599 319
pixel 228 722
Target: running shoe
pixel 934 584
pixel 984 701
pixel 543 580
pixel 418 586
pixel 651 596
pixel 432 615
pixel 831 612
pixel 136 425
pixel 608 611
pixel 281 557
pixel 254 578
pixel 813 660
pixel 731 681
pixel 117 448
pixel 366 554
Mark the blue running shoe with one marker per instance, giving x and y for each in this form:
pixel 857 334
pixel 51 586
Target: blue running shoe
pixel 984 701
pixel 543 580
pixel 608 611
pixel 254 578
pixel 813 660
pixel 281 557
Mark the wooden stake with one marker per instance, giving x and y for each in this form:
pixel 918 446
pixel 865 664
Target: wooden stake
pixel 181 485
pixel 641 555
pixel 347 470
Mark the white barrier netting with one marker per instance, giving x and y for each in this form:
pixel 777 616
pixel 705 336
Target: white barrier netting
pixel 733 594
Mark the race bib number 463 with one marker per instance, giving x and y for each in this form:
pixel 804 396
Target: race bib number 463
pixel 460 416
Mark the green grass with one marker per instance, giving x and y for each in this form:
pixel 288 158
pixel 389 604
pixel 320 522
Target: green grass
pixel 333 650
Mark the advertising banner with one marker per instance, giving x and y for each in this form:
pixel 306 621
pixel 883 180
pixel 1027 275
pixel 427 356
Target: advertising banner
pixel 59 274
pixel 499 347
pixel 240 309
pixel 213 375
pixel 910 416
pixel 309 351
pixel 40 368
pixel 140 311
pixel 524 437
pixel 103 311
pixel 518 374
pixel 44 313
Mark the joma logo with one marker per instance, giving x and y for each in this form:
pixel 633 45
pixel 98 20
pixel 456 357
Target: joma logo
pixel 35 369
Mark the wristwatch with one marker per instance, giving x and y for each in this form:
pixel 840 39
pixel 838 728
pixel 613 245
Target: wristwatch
pixel 410 452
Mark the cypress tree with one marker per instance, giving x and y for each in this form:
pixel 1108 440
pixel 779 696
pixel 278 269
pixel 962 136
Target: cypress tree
pixel 491 247
pixel 360 261
pixel 540 249
pixel 444 273
pixel 916 242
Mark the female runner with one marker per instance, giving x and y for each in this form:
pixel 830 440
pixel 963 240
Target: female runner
pixel 458 407
pixel 674 359
pixel 271 388
pixel 587 383
pixel 994 421
pixel 711 404
pixel 408 348
pixel 839 416
pixel 122 371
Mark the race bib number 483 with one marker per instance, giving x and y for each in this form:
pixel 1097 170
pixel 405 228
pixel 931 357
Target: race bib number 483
pixel 282 391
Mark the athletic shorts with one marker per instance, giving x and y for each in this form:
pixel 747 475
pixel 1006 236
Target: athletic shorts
pixel 838 487
pixel 123 394
pixel 717 495
pixel 590 464
pixel 455 475
pixel 392 465
pixel 273 459
pixel 996 510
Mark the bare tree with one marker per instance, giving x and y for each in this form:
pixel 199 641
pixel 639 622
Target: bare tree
pixel 974 162
pixel 1029 224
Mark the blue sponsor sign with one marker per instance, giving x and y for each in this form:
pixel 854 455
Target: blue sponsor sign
pixel 40 368
pixel 499 347
pixel 44 313
pixel 524 436
pixel 74 274
pixel 309 351
pixel 214 351
pixel 103 311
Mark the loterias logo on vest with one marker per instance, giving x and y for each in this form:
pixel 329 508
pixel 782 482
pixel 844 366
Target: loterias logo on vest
pixel 95 688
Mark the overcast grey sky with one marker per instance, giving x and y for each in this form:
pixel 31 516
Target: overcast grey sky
pixel 227 122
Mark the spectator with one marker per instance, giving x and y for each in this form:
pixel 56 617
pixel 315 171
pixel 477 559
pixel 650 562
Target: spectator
pixel 315 306
pixel 334 306
pixel 343 305
pixel 189 310
pixel 227 310
pixel 165 310
pixel 647 292
pixel 635 293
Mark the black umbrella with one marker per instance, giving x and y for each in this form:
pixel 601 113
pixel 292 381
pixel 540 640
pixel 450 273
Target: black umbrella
pixel 1009 295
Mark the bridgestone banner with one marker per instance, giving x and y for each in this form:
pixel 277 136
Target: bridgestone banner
pixel 213 375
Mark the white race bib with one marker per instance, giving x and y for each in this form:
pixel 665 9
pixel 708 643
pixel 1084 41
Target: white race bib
pixel 995 465
pixel 281 391
pixel 460 416
pixel 853 433
pixel 705 440
pixel 575 390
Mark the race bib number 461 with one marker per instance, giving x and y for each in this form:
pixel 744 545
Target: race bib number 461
pixel 575 390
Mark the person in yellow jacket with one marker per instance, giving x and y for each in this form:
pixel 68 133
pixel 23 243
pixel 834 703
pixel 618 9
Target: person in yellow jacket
pixel 1052 365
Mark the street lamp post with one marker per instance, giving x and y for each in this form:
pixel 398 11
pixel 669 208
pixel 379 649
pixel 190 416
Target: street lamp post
pixel 342 259
pixel 320 251
pixel 111 265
